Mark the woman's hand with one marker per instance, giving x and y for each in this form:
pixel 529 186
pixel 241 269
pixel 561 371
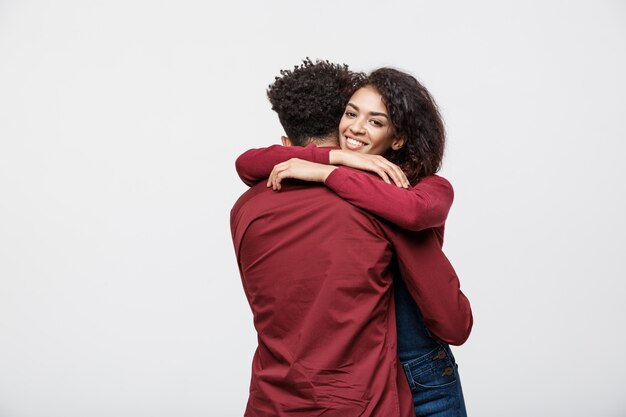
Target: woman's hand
pixel 374 163
pixel 300 170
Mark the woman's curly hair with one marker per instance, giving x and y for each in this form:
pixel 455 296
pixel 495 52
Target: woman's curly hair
pixel 311 98
pixel 414 116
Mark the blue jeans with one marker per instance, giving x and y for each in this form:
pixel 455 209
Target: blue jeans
pixel 429 366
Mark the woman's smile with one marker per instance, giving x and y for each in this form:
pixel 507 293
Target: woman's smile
pixel 354 144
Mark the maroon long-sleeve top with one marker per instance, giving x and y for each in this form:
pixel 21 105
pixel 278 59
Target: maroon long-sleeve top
pixel 317 272
pixel 424 205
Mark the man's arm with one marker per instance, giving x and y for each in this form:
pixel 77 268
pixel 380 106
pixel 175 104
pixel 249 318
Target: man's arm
pixel 433 284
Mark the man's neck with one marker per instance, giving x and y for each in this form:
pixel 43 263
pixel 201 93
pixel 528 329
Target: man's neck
pixel 331 141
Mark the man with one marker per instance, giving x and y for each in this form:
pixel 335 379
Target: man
pixel 318 274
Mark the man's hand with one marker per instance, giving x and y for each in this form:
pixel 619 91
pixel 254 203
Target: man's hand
pixel 298 169
pixel 374 163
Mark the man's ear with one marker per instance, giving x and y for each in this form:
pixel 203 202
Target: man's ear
pixel 398 143
pixel 286 141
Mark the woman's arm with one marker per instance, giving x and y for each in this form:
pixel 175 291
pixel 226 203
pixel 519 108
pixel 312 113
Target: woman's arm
pixel 422 206
pixel 256 164
pixel 426 205
pixel 433 283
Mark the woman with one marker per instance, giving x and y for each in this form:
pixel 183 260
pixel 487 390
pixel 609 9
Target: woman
pixel 391 126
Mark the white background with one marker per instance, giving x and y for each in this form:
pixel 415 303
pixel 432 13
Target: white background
pixel 119 125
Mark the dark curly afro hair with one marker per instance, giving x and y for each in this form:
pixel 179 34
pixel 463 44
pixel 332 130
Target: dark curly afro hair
pixel 310 99
pixel 414 116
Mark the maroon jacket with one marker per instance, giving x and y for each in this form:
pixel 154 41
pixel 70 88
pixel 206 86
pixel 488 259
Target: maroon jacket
pixel 317 272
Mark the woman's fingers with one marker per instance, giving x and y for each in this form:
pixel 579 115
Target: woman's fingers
pixel 393 171
pixel 278 179
pixel 376 163
pixel 274 178
pixel 382 174
pixel 292 168
pixel 310 171
pixel 280 174
pixel 398 175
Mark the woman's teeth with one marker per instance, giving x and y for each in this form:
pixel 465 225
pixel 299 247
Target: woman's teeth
pixel 354 142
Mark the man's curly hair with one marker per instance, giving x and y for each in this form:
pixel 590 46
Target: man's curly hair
pixel 414 116
pixel 311 98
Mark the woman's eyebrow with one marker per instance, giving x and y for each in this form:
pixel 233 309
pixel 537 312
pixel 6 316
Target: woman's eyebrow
pixel 373 113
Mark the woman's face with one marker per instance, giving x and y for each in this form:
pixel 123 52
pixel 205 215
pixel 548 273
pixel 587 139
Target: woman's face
pixel 365 125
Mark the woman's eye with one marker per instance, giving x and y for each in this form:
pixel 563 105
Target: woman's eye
pixel 376 123
pixel 350 113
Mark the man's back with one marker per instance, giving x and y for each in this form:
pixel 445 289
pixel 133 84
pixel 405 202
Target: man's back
pixel 316 271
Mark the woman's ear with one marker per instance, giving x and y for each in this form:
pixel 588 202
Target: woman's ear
pixel 398 143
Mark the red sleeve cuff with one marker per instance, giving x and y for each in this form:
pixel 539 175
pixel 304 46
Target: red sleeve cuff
pixel 321 154
pixel 337 179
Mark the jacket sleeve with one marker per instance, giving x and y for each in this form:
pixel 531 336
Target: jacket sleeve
pixel 256 165
pixel 422 206
pixel 433 284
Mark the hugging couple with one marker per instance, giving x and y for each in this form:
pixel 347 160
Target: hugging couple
pixel 339 248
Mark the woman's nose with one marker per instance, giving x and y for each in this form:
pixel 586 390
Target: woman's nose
pixel 356 127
